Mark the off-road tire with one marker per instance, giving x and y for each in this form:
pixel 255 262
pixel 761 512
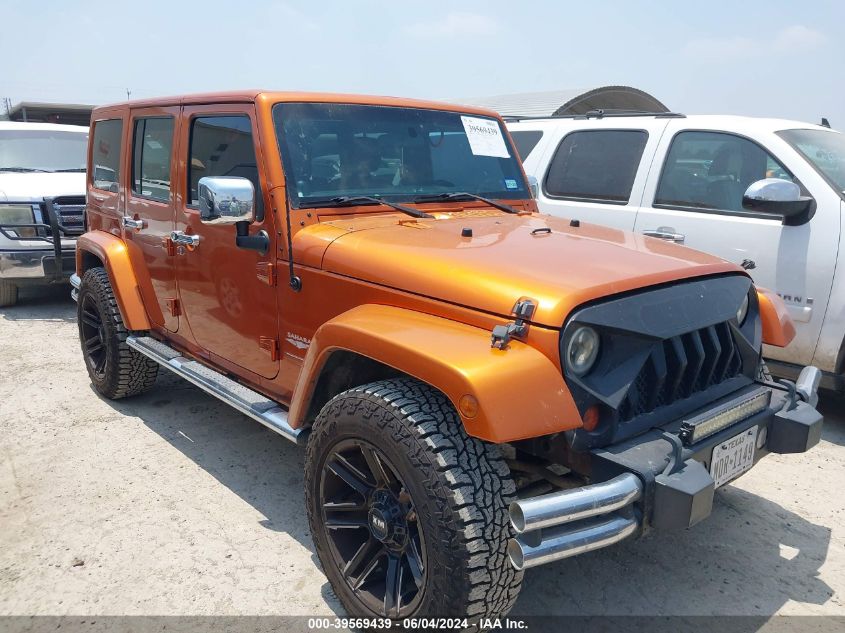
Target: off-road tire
pixel 125 371
pixel 8 294
pixel 461 488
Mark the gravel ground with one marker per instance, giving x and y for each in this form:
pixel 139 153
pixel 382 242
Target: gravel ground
pixel 172 504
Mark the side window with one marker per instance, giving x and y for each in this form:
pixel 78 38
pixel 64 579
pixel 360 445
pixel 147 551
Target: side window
pixel 222 146
pixel 596 165
pixel 525 141
pixel 105 154
pixel 152 147
pixel 712 170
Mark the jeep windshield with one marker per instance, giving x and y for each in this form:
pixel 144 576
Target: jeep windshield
pixel 43 150
pixel 823 149
pixel 333 151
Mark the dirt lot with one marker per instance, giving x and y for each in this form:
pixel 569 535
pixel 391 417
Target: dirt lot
pixel 171 503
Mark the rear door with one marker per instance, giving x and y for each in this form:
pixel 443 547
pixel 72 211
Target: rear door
pixel 695 197
pixel 596 172
pixel 226 294
pixel 150 204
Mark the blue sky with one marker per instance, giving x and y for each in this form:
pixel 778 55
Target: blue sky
pixel 772 58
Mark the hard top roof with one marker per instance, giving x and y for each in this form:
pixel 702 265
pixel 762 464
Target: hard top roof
pixel 269 96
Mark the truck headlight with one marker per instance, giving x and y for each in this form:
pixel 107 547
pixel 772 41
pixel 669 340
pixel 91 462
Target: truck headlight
pixel 582 350
pixel 743 311
pixel 16 214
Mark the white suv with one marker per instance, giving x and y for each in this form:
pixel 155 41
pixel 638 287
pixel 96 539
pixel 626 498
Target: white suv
pixel 42 198
pixel 764 193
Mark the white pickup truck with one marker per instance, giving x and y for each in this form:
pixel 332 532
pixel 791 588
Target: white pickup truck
pixel 42 197
pixel 765 193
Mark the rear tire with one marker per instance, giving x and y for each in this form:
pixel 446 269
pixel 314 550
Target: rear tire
pixel 116 370
pixel 8 294
pixel 446 501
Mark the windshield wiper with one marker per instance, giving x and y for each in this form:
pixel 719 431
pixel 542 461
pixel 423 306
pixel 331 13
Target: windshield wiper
pixel 342 201
pixel 463 194
pixel 70 169
pixel 24 170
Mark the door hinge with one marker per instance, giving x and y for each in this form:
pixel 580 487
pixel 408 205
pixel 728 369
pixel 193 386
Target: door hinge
pixel 270 345
pixel 266 272
pixel 175 307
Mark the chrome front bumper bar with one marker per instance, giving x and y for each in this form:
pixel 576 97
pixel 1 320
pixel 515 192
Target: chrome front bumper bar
pixel 571 522
pixel 665 482
pixel 76 282
pixel 32 265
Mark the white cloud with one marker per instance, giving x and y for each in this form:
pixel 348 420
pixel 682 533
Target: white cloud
pixel 788 41
pixel 456 24
pixel 799 37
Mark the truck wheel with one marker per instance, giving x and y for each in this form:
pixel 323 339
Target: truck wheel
pixel 409 515
pixel 8 294
pixel 116 370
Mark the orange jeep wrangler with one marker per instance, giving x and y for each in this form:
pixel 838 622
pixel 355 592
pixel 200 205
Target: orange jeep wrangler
pixel 479 388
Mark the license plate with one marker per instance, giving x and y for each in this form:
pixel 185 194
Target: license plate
pixel 733 457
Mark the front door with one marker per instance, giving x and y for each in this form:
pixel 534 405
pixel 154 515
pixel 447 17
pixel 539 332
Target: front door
pixel 150 203
pixel 226 294
pixel 697 199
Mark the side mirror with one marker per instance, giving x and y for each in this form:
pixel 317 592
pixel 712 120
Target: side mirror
pixel 534 185
pixel 225 200
pixel 779 197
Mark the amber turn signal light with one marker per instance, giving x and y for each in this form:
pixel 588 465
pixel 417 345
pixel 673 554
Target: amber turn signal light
pixel 591 418
pixel 468 406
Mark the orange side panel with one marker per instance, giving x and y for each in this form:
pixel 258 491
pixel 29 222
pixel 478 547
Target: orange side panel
pixel 778 328
pixel 113 253
pixel 521 394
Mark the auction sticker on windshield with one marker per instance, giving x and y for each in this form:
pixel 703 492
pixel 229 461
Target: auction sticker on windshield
pixel 485 137
pixel 733 457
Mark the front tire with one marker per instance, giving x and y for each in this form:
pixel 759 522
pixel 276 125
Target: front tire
pixel 116 370
pixel 409 515
pixel 8 293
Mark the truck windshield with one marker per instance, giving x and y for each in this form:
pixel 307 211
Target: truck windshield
pixel 334 150
pixel 823 149
pixel 43 150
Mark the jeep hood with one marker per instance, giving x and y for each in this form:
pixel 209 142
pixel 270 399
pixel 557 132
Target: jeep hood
pixel 509 257
pixel 32 187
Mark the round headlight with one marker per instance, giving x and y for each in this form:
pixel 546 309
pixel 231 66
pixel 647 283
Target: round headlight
pixel 582 350
pixel 742 312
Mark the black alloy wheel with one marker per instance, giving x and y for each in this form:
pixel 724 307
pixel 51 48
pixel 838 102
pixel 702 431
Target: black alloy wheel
pixel 371 522
pixel 93 335
pixel 116 370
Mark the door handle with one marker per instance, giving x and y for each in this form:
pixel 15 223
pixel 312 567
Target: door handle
pixel 179 237
pixel 666 233
pixel 132 223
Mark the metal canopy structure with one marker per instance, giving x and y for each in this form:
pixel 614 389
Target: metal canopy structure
pixel 569 102
pixel 67 113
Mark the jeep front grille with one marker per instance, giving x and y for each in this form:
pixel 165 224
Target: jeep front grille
pixel 680 366
pixel 664 352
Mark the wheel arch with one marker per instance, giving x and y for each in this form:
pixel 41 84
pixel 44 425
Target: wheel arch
pixel 456 359
pixel 98 248
pixel 778 327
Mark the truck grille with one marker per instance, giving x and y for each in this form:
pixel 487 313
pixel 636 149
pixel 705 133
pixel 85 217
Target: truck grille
pixel 69 213
pixel 680 366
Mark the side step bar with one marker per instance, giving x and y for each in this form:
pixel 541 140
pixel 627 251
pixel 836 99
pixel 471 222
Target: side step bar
pixel 269 412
